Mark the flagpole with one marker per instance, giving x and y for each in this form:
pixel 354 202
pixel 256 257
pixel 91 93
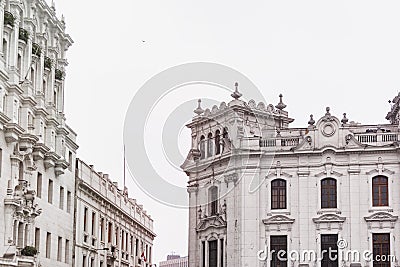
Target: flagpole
pixel 124 167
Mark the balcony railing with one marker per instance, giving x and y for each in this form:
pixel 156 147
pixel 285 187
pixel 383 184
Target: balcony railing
pixel 280 142
pixel 375 138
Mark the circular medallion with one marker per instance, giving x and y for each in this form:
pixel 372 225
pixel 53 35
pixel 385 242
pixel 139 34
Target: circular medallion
pixel 328 129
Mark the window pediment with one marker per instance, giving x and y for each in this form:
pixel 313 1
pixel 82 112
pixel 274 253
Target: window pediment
pixel 215 222
pixel 278 219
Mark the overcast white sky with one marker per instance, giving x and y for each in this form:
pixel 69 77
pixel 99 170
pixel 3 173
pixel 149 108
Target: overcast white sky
pixel 342 54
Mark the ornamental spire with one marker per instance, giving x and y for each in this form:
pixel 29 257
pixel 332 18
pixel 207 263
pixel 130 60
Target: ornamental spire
pixel 236 95
pixel 198 110
pixel 280 105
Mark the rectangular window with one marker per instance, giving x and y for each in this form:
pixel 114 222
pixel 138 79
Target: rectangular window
pixel 84 261
pixel 69 202
pixel 93 223
pixel 329 251
pixel 116 236
pixel 91 262
pixel 278 246
pixel 137 247
pixel 109 233
pixel 61 198
pixel 37 238
pixel 85 215
pixel 222 252
pixel 50 192
pixel 203 254
pixel 212 253
pixel 381 250
pixel 48 245
pixel 59 248
pixel 66 251
pixel 102 229
pixel 70 160
pixel 39 185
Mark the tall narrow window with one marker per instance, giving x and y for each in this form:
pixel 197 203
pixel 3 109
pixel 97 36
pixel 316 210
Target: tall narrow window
pixel 5 50
pixel 213 200
pixel 109 240
pixel 222 252
pixel 278 194
pixel 116 236
pixel 66 260
pixel 217 143
pixel 202 147
pixel 93 223
pixel 69 201
pixel 20 235
pixel 381 250
pixel 380 191
pixel 39 185
pixel 203 254
pixel 70 160
pixel 84 261
pixel 329 251
pixel 50 192
pixel 85 217
pixel 37 238
pixel 48 245
pixel 21 171
pixel 137 247
pixel 61 202
pixel 19 65
pixel 102 229
pixel 212 253
pixel 278 246
pixel 33 77
pixel 59 248
pixel 328 193
pixel 209 145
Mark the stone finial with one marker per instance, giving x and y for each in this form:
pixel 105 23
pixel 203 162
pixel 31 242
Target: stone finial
pixel 328 109
pixel 236 95
pixel 63 19
pixel 199 110
pixel 345 119
pixel 53 5
pixel 280 105
pixel 311 121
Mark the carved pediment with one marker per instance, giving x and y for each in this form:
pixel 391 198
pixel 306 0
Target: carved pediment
pixel 278 219
pixel 215 222
pixel 329 221
pixel 381 217
pixel 329 218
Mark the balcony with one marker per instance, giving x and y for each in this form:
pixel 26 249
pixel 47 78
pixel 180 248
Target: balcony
pixel 377 139
pixel 59 75
pixel 36 50
pixel 9 19
pixel 48 63
pixel 23 35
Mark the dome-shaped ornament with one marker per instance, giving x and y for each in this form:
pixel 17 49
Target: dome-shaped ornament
pixel 311 122
pixel 199 110
pixel 280 105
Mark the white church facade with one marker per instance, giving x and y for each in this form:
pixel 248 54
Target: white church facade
pixel 256 185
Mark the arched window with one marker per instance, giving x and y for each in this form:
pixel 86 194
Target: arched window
pixel 202 147
pixel 328 193
pixel 209 145
pixel 380 192
pixel 278 194
pixel 217 143
pixel 213 196
pixel 5 50
pixel 33 77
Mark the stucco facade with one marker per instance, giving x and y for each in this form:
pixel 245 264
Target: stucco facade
pixel 37 147
pixel 255 183
pixel 112 229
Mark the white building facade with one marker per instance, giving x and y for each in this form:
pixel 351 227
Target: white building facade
pixel 257 185
pixel 175 261
pixel 37 147
pixel 112 229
